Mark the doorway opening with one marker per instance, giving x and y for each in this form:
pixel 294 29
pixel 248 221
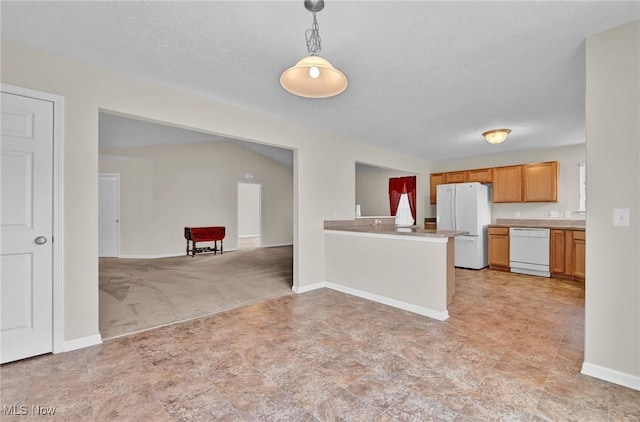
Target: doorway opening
pixel 249 215
pixel 172 178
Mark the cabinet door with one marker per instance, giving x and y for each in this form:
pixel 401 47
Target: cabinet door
pixel 499 250
pixel 435 180
pixel 541 182
pixel 480 175
pixel 507 184
pixel 578 252
pixel 499 247
pixel 556 260
pixel 455 177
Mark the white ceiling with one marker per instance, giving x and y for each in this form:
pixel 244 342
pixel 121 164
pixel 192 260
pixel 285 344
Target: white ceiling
pixel 425 78
pixel 122 132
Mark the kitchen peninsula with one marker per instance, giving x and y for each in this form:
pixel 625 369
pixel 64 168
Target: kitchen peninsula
pixel 406 267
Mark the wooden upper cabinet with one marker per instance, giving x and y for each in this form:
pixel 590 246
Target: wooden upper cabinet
pixel 537 182
pixel 435 180
pixel 480 175
pixel 507 184
pixel 540 182
pixel 455 177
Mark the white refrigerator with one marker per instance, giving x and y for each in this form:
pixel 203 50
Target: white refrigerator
pixel 466 207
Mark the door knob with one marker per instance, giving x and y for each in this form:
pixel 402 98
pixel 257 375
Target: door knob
pixel 41 240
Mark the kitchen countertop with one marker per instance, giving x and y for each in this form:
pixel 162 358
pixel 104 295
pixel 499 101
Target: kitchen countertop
pixel 393 229
pixel 550 224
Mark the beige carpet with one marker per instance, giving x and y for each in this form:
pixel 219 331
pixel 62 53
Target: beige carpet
pixel 137 294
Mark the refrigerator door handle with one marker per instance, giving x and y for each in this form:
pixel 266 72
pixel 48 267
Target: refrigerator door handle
pixel 454 208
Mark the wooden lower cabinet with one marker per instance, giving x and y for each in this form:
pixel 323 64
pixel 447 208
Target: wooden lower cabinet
pixel 557 252
pixel 578 254
pixel 499 248
pixel 567 254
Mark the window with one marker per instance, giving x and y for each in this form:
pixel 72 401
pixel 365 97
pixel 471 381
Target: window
pixel 403 215
pixel 582 206
pixel 403 189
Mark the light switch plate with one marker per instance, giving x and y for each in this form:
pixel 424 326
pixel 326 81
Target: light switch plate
pixel 567 214
pixel 517 213
pixel 621 217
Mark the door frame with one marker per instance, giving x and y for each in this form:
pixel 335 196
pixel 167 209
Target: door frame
pixel 117 175
pixel 57 235
pixel 249 182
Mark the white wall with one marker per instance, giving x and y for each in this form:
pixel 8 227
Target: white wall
pixel 324 183
pixel 612 343
pixel 166 188
pixel 249 209
pixel 372 189
pixel 409 270
pixel 568 186
pixel 137 225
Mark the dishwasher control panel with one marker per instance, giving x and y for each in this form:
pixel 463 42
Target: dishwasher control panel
pixel 529 232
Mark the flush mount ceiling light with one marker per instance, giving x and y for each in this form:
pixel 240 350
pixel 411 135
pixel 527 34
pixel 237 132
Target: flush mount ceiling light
pixel 313 76
pixel 496 136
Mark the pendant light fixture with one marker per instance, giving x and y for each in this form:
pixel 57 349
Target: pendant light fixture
pixel 496 136
pixel 313 76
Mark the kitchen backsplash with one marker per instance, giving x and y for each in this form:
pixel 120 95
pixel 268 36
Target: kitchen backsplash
pixel 541 211
pixel 545 222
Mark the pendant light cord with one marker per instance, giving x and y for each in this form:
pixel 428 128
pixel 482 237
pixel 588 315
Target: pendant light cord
pixel 313 38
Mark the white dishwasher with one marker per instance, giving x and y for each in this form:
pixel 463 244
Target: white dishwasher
pixel 529 251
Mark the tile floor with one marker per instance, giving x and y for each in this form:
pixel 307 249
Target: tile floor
pixel 511 350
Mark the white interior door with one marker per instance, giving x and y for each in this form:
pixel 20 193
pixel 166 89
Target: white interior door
pixel 26 220
pixel 249 215
pixel 109 215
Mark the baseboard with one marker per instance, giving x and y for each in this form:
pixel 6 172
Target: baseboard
pixel 420 310
pixel 151 256
pixel 439 315
pixel 309 287
pixel 611 375
pixel 276 245
pixel 81 343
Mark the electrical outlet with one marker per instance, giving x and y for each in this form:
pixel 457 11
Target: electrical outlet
pixel 567 214
pixel 517 213
pixel 554 214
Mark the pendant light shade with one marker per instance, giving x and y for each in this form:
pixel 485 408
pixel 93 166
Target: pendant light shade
pixel 496 136
pixel 313 77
